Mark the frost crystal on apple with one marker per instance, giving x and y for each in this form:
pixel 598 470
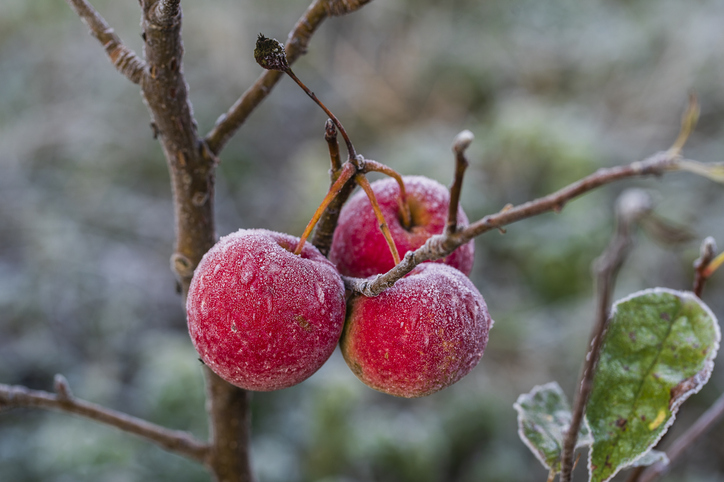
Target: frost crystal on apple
pixel 261 317
pixel 420 336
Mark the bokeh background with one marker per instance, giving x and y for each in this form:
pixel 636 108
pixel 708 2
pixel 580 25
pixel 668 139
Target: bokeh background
pixel 551 89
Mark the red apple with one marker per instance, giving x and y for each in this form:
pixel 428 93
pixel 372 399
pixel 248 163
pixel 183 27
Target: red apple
pixel 359 248
pixel 420 336
pixel 261 317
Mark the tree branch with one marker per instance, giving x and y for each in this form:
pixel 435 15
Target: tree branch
pixel 442 245
pixel 632 205
pixel 296 45
pixel 122 58
pixel 176 441
pixel 707 420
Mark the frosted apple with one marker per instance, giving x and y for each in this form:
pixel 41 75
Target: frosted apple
pixel 419 336
pixel 359 248
pixel 261 317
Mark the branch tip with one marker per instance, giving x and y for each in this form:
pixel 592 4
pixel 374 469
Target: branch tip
pixel 62 389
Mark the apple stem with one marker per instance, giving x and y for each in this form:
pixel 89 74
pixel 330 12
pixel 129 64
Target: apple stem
pixel 350 147
pixel 347 172
pixel 365 185
pixel 330 135
pixel 404 206
pixel 460 144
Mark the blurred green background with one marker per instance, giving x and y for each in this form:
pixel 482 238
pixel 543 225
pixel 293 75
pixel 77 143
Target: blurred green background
pixel 551 89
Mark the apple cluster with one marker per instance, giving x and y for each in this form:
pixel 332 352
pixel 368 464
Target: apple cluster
pixel 264 318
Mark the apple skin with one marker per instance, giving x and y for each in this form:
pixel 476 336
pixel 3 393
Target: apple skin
pixel 419 336
pixel 359 249
pixel 261 317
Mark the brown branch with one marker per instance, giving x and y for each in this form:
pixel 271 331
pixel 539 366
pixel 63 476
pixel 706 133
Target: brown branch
pixel 460 144
pixel 704 423
pixel 632 205
pixel 122 58
pixel 330 135
pixel 230 413
pixel 324 233
pixel 442 245
pixel 176 441
pixel 191 165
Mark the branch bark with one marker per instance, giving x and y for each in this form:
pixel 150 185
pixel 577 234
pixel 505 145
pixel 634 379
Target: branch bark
pixel 122 58
pixel 176 441
pixel 442 245
pixel 631 207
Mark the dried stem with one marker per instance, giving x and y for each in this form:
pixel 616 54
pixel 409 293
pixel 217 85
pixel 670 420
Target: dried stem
pixel 460 144
pixel 348 171
pixel 350 148
pixel 176 441
pixel 707 253
pixel 404 206
pixel 632 206
pixel 704 423
pixel 365 185
pixel 324 233
pixel 122 58
pixel 442 245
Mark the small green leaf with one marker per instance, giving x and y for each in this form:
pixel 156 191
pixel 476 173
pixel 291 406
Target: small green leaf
pixel 658 350
pixel 650 458
pixel 543 418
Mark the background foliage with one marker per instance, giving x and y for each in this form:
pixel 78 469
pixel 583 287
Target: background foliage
pixel 552 90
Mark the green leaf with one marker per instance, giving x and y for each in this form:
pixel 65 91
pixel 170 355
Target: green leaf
pixel 544 415
pixel 658 350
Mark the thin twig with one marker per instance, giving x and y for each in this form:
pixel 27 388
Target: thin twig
pixel 350 147
pixel 705 422
pixel 122 58
pixel 442 245
pixel 176 441
pixel 403 205
pixel 365 185
pixel 632 205
pixel 707 253
pixel 460 144
pixel 330 135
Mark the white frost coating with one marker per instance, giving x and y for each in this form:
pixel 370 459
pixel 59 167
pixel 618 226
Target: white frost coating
pixel 554 386
pixel 700 379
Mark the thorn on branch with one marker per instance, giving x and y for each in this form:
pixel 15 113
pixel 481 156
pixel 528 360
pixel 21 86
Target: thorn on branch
pixel 62 389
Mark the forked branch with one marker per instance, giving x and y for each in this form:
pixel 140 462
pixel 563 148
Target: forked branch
pixel 175 441
pixel 442 245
